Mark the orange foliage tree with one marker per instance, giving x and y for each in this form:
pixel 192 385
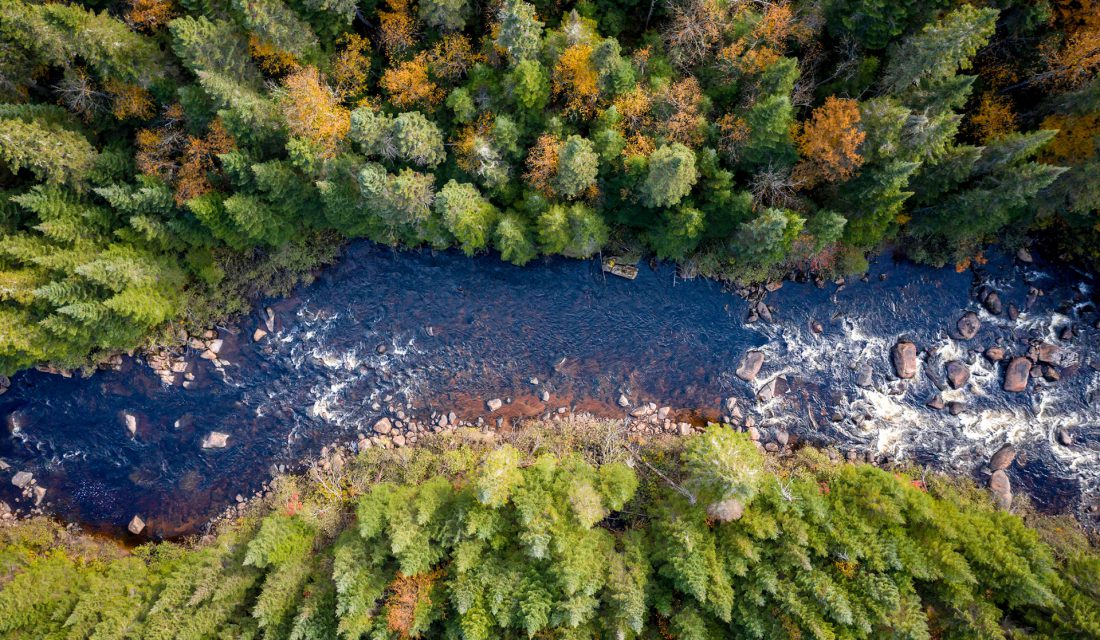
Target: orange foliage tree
pixel 829 142
pixel 150 15
pixel 313 111
pixel 409 85
pixel 576 80
pixel 452 57
pixel 542 164
pixel 184 162
pixel 130 101
pixel 271 59
pixel 993 119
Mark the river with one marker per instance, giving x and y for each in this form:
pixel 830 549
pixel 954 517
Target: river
pixel 456 331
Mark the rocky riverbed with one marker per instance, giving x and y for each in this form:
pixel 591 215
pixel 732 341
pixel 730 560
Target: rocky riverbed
pixel 907 363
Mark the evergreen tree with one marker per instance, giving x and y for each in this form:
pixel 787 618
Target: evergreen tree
pixel 467 215
pixel 671 176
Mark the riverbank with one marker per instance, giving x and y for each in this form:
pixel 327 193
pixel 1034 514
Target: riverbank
pixel 318 551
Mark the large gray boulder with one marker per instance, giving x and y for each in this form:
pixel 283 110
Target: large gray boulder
pixel 750 365
pixel 1001 487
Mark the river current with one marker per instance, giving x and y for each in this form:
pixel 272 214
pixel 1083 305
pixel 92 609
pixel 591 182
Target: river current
pixel 429 331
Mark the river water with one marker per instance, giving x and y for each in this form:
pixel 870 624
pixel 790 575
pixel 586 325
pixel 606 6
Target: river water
pixel 457 331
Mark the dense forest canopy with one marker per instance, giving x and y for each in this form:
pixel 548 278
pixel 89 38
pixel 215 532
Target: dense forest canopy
pixel 163 160
pixel 575 538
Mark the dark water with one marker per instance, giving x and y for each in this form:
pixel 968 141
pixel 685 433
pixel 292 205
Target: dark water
pixel 458 331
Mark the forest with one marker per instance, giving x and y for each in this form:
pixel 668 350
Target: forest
pixel 574 533
pixel 165 162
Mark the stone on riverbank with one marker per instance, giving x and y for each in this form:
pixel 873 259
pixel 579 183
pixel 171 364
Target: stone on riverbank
pixel 1003 458
pixel 750 365
pixel 957 374
pixel 935 403
pixel 1017 374
pixel 969 325
pixel 384 426
pixel 22 479
pixel 215 440
pixel 494 404
pixel 136 526
pixel 258 334
pixel 1001 487
pixel 904 357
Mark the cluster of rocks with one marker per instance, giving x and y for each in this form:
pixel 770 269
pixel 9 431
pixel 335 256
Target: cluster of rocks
pixel 269 326
pixel 649 418
pixel 169 363
pixel 209 347
pixel 399 429
pixel 29 490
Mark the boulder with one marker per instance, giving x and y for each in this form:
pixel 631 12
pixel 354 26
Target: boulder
pixel 1023 255
pixel 39 495
pixel 494 404
pixel 968 325
pixel 957 374
pixel 1065 437
pixel 624 402
pixel 904 357
pixel 5 384
pixel 956 407
pixel 131 423
pixel 993 304
pixel 136 526
pixel 726 510
pixel 215 440
pixel 782 437
pixel 399 440
pixel 384 426
pixel 269 319
pixel 1016 374
pixel 1047 353
pixel 1003 458
pixel 816 327
pixel 259 334
pixel 215 345
pixel 1013 312
pixel 544 396
pixel 995 354
pixel 935 403
pixel 22 479
pixel 1001 488
pixel 750 365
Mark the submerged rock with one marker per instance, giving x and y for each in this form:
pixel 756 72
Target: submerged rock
pixel 994 354
pixel 130 420
pixel 215 440
pixel 993 304
pixel 904 357
pixel 865 376
pixel 259 334
pixel 1017 374
pixel 750 365
pixel 968 325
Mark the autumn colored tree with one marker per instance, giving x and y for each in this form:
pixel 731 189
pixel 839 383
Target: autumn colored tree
pixel 829 143
pixel 576 81
pixel 409 85
pixel 313 111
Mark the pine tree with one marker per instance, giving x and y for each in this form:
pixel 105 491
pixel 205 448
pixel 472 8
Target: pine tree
pixel 671 175
pixel 467 215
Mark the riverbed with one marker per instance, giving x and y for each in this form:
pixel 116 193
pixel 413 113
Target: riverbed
pixel 422 331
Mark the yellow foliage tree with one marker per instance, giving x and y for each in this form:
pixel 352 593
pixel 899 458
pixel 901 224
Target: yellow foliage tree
pixel 576 81
pixel 993 119
pixel 350 66
pixel 397 32
pixel 312 110
pixel 150 15
pixel 542 164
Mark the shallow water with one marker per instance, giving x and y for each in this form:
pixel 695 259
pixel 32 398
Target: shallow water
pixel 458 331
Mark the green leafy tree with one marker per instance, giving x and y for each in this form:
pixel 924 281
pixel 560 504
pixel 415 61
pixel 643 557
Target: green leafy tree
pixel 467 215
pixel 578 165
pixel 671 176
